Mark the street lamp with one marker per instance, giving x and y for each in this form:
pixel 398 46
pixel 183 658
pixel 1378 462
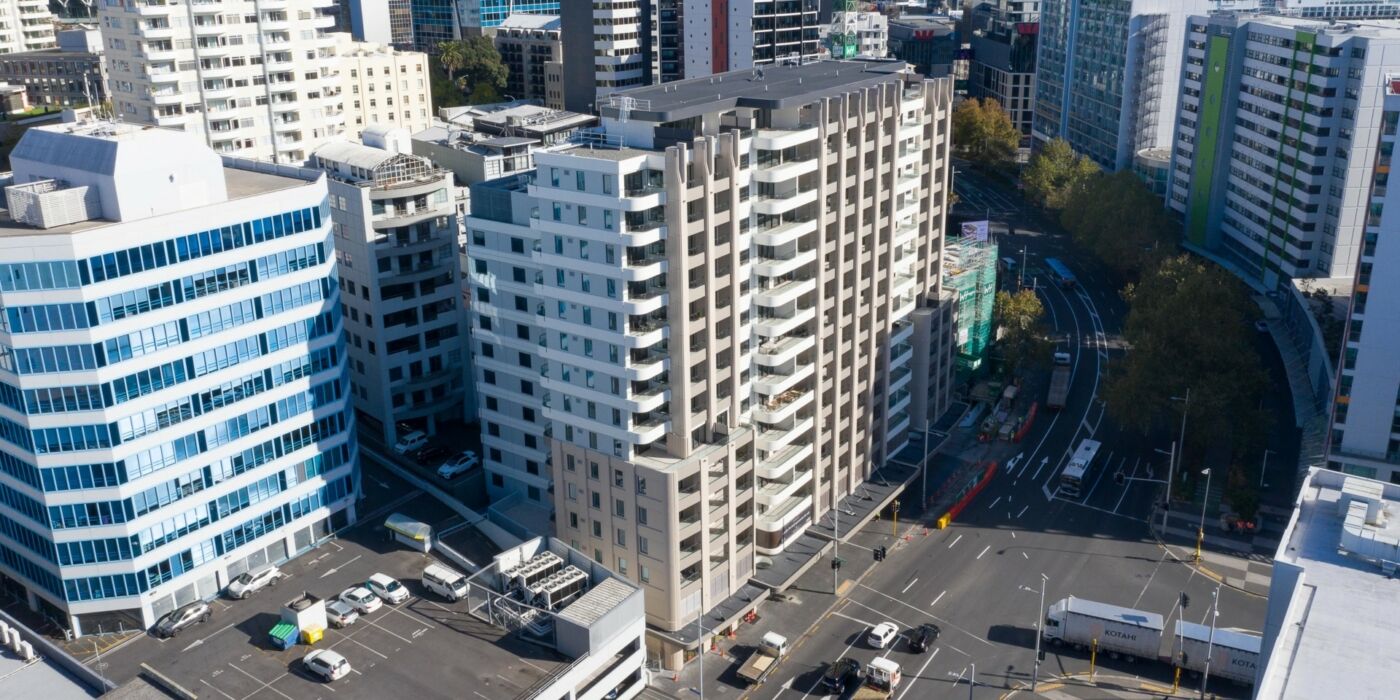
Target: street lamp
pixel 1040 613
pixel 1180 445
pixel 1171 472
pixel 1263 468
pixel 1210 645
pixel 972 682
pixel 1201 531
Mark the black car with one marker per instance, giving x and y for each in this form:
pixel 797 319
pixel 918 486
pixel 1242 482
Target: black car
pixel 842 675
pixel 921 639
pixel 430 455
pixel 180 618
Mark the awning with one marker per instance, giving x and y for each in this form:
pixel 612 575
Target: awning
pixel 408 527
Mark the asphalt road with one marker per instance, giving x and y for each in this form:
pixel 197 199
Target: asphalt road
pixel 980 579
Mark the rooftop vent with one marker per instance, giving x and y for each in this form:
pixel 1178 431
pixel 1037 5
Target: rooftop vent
pixel 51 203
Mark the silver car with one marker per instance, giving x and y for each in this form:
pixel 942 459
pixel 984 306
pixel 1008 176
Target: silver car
pixel 341 614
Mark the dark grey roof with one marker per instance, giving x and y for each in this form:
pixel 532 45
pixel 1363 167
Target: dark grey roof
pixel 504 141
pixel 771 87
pixel 83 153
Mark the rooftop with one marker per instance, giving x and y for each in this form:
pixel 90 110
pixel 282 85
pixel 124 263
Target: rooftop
pixel 519 20
pixel 769 87
pixel 43 678
pixel 1330 631
pixel 1373 28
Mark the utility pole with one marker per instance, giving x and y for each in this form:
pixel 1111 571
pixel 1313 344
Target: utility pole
pixel 1264 467
pixel 836 547
pixel 973 683
pixel 700 643
pixel 1187 407
pixel 1039 615
pixel 1210 645
pixel 1201 530
pixel 1166 507
pixel 1021 281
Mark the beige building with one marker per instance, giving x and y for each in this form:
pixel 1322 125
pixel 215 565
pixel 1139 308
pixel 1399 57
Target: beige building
pixel 383 85
pixel 740 279
pixel 531 50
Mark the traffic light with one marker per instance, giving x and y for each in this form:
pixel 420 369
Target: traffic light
pixel 1041 654
pixel 879 553
pixel 836 563
pixel 1185 601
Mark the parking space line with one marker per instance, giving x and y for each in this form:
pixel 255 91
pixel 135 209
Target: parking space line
pixel 940 597
pixel 984 551
pixel 211 687
pixel 366 646
pixel 202 640
pixel 911 585
pixel 386 629
pixel 267 685
pixel 955 541
pixel 399 609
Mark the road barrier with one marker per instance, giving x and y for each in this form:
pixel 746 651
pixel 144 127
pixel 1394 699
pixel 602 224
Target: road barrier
pixel 1026 424
pixel 946 519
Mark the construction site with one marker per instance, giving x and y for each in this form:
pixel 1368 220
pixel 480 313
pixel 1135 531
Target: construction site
pixel 970 271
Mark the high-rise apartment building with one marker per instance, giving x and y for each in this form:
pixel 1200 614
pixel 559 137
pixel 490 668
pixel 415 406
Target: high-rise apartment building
pixel 1107 74
pixel 396 240
pixel 383 85
pixel 1276 140
pixel 173 389
pixel 1003 58
pixel 378 21
pixel 783 30
pixel 703 326
pixel 1336 9
pixel 252 80
pixel 607 47
pixel 532 51
pixel 476 15
pixel 26 25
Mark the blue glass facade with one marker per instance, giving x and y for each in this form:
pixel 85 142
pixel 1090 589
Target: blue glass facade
pixel 493 12
pixel 193 410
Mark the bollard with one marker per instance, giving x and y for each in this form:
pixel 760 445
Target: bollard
pixel 12 640
pixel 26 651
pixel 4 630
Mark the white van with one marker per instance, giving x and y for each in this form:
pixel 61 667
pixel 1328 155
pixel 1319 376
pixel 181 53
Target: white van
pixel 445 582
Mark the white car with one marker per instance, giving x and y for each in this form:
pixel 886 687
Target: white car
pixel 341 614
pixel 411 442
pixel 388 588
pixel 460 464
pixel 882 635
pixel 252 582
pixel 327 664
pixel 359 598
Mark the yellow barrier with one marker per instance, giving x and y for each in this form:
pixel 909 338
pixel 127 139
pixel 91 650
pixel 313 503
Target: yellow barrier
pixel 943 521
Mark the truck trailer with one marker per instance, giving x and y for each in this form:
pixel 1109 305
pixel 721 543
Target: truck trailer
pixel 1233 655
pixel 1082 623
pixel 1059 381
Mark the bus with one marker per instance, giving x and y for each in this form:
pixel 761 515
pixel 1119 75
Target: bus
pixel 1060 273
pixel 1072 478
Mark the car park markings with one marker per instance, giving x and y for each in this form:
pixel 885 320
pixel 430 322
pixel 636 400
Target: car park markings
pixel 386 629
pixel 984 551
pixel 267 685
pixel 940 597
pixel 955 541
pixel 211 687
pixel 202 640
pixel 335 569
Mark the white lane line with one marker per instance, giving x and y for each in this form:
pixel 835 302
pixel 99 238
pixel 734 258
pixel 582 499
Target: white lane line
pixel 334 569
pixel 917 675
pixel 1149 580
pixel 386 629
pixel 955 541
pixel 417 616
pixel 230 697
pixel 943 621
pixel 202 640
pixel 1107 467
pixel 367 647
pixel 994 503
pixel 940 597
pixel 911 585
pixel 984 551
pixel 1023 512
pixel 267 685
pixel 845 651
pixel 1026 556
pixel 1126 486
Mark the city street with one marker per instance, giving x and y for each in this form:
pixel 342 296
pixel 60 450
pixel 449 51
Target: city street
pixel 980 579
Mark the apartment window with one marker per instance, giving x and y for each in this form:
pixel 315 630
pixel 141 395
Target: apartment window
pixel 554 177
pixel 569 462
pixel 621 537
pixel 622 566
pixel 573 520
pixel 641 515
pixel 558 211
pixel 597 529
pixel 597 499
pixel 578 179
pixel 641 486
pixel 619 509
pixel 641 544
pixel 607 184
pixel 593 470
pixel 572 490
pixel 643 574
pixel 582 215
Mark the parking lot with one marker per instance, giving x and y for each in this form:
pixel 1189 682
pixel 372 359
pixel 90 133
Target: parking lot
pixel 425 647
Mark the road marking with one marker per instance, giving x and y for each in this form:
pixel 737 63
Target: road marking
pixel 386 629
pixel 994 503
pixel 1046 490
pixel 267 685
pixel 955 541
pixel 1023 512
pixel 1119 504
pixel 1027 556
pixel 334 569
pixel 911 585
pixel 211 687
pixel 202 640
pixel 1108 467
pixel 1043 461
pixel 367 647
pixel 917 675
pixel 1149 580
pixel 818 682
pixel 984 551
pixel 1013 532
pixel 415 617
pixel 940 597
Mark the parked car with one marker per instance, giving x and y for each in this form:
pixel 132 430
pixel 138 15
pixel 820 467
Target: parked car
pixel 429 454
pixel 327 664
pixel 180 618
pixel 883 633
pixel 387 588
pixel 923 637
pixel 253 581
pixel 841 675
pixel 464 462
pixel 341 613
pixel 410 442
pixel 359 598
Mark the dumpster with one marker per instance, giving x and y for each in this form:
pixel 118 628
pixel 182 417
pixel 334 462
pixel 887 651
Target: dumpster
pixel 283 635
pixel 311 635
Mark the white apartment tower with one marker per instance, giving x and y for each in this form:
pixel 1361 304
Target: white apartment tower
pixel 396 240
pixel 173 403
pixel 253 79
pixel 25 25
pixel 383 85
pixel 701 326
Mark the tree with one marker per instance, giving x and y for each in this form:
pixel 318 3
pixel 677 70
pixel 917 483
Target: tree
pixel 1020 316
pixel 1055 173
pixel 1188 327
pixel 984 134
pixel 1118 219
pixel 453 56
pixel 481 64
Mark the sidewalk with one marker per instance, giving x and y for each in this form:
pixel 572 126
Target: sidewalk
pixel 1240 561
pixel 1079 686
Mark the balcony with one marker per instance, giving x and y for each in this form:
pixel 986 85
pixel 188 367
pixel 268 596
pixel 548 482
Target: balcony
pixel 775 438
pixel 650 427
pixel 779 291
pixel 775 493
pixel 647 363
pixel 780 351
pixel 770 382
pixel 782 260
pixel 779 139
pixel 784 406
pixel 778 204
pixel 649 395
pixel 771 324
pixel 778 464
pixel 782 172
pixel 784 233
pixel 776 519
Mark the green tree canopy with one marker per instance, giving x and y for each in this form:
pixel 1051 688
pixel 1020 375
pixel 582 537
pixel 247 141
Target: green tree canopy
pixel 983 133
pixel 1055 172
pixel 1188 327
pixel 1020 316
pixel 481 64
pixel 1118 219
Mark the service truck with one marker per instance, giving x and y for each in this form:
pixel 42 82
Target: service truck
pixel 1233 655
pixel 1084 623
pixel 1059 381
pixel 762 660
pixel 882 676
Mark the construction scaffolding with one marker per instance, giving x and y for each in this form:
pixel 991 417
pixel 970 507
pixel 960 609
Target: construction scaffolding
pixel 970 271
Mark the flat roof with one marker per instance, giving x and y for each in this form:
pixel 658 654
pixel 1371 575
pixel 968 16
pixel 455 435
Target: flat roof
pixel 768 87
pixel 43 678
pixel 1338 637
pixel 597 602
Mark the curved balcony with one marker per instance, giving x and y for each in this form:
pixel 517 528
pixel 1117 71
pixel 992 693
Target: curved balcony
pixel 777 324
pixel 647 363
pixel 775 493
pixel 782 172
pixel 774 205
pixel 774 439
pixel 785 233
pixel 769 383
pixel 783 406
pixel 783 350
pixel 779 463
pixel 779 139
pixel 779 520
pixel 785 291
pixel 777 267
pixel 648 396
pixel 650 427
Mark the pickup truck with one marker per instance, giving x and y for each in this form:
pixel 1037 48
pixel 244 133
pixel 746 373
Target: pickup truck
pixel 882 677
pixel 762 660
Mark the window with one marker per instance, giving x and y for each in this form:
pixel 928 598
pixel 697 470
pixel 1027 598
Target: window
pixel 622 566
pixel 572 490
pixel 578 179
pixel 573 519
pixel 641 486
pixel 641 515
pixel 597 499
pixel 617 478
pixel 641 544
pixel 593 470
pixel 643 574
pixel 569 462
pixel 597 529
pixel 621 537
pixel 619 509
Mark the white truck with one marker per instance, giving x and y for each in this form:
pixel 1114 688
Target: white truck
pixel 762 660
pixel 882 677
pixel 1233 655
pixel 1116 630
